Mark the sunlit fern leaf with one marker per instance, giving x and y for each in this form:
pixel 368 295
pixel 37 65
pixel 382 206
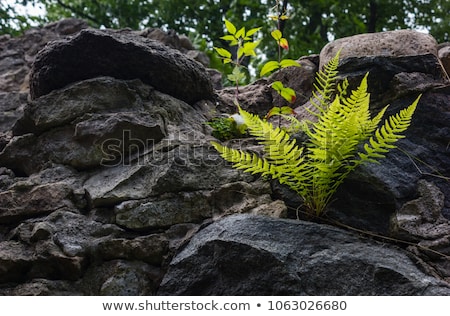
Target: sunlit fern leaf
pixel 343 137
pixel 388 134
pixel 325 85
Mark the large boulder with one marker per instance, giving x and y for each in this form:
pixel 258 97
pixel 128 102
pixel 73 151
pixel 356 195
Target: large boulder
pixel 398 43
pixel 248 255
pixel 94 53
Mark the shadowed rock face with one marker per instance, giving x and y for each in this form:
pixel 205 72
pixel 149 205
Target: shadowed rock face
pixel 248 255
pixel 94 53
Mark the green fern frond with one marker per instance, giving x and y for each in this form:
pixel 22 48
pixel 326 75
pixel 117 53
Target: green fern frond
pixel 278 146
pixel 249 162
pixel 325 85
pixel 388 134
pixel 343 137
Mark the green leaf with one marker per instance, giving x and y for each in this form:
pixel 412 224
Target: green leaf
pixel 277 35
pixel 289 63
pixel 240 33
pixel 269 67
pixel 287 110
pixel 230 27
pixel 229 38
pixel 223 52
pixel 237 75
pixel 277 86
pixel 273 111
pixel 289 95
pixel 249 48
pixel 252 31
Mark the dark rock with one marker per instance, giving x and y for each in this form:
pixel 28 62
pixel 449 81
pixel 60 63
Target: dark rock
pixel 391 78
pixel 444 56
pixel 101 121
pixel 121 277
pixel 20 203
pixel 248 255
pixel 421 218
pixel 255 97
pixel 12 105
pixel 44 260
pixel 60 108
pixel 94 53
pixel 166 210
pixel 150 249
pixel 41 287
pixel 301 79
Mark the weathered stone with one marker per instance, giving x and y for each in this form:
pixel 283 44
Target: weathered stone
pixel 167 210
pixel 94 53
pixel 11 108
pixel 255 97
pixel 150 249
pixel 41 287
pixel 43 199
pixel 129 278
pixel 398 43
pixel 60 108
pixel 101 121
pixel 175 168
pixel 444 56
pixel 248 255
pixel 20 262
pixel 76 234
pixel 301 79
pixel 17 54
pixel 421 218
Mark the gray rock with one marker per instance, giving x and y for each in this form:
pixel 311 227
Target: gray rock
pixel 12 105
pixel 255 97
pixel 392 78
pixel 151 249
pixel 444 56
pixel 94 53
pixel 398 43
pixel 127 278
pixel 421 219
pixel 300 79
pixel 101 121
pixel 22 203
pixel 60 108
pixel 164 211
pixel 21 262
pixel 248 255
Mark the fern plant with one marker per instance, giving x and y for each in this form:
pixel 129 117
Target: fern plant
pixel 343 137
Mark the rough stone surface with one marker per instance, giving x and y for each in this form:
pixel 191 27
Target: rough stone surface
pixel 247 255
pixel 94 53
pixel 398 43
pixel 444 56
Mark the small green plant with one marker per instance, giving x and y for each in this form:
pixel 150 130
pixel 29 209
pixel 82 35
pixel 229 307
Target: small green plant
pixel 343 137
pixel 226 128
pixel 245 47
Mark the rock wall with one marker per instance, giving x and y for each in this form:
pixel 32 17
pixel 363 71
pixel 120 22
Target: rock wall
pixel 108 184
